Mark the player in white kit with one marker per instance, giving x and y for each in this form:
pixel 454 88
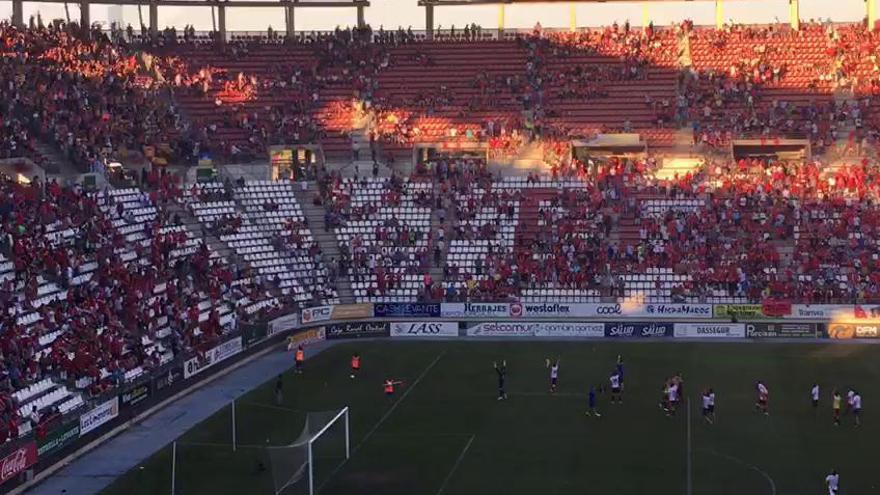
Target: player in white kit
pixel 671 397
pixel 857 407
pixel 814 396
pixel 554 376
pixel 709 406
pixel 616 391
pixel 832 482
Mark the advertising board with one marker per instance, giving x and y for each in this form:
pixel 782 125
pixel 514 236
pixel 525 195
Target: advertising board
pixel 854 330
pixel 99 415
pixel 638 330
pixel 406 310
pixel 503 329
pixel 572 329
pixel 762 330
pixel 17 461
pixel 710 330
pixel 336 312
pixel 415 329
pixel 356 330
pixel 220 353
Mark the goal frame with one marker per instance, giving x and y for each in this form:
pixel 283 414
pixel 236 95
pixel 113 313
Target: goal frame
pixel 341 414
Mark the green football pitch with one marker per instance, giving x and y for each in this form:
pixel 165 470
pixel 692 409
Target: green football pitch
pixel 445 432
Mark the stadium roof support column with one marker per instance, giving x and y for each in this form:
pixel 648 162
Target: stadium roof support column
pixel 429 21
pixel 18 13
pixel 572 18
pixel 794 13
pixel 719 14
pixel 289 21
pixel 154 20
pixel 85 20
pixel 646 17
pixel 500 20
pixel 221 23
pixel 360 19
pixel 871 5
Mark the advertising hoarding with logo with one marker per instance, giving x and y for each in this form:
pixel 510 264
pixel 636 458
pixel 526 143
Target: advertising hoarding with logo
pixel 336 312
pixel 220 353
pixel 356 329
pixel 406 310
pixel 17 461
pixel 503 329
pixel 761 330
pixel 710 330
pixel 98 416
pixel 638 330
pixel 423 329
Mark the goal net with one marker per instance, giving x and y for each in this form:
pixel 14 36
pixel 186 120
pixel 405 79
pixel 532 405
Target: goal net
pixel 323 444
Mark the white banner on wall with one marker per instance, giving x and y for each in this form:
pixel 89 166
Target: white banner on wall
pixel 710 330
pixel 410 329
pixel 832 312
pixel 563 329
pixel 222 352
pixel 99 415
pixel 575 310
pixel 503 328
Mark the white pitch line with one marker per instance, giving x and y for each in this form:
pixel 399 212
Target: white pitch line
pixel 455 466
pixel 383 418
pixel 690 484
pixel 746 464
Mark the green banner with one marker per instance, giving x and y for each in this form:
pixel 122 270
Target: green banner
pixel 739 311
pixel 57 439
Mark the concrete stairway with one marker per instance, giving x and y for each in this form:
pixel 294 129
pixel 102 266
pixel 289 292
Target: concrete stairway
pixel 436 271
pixel 326 240
pixel 54 161
pixel 196 228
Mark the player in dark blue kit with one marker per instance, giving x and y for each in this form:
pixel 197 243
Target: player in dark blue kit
pixel 620 368
pixel 502 376
pixel 593 410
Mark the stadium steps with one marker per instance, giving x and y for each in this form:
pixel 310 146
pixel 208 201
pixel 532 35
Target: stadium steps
pixel 436 271
pixel 53 162
pixel 195 227
pixel 314 215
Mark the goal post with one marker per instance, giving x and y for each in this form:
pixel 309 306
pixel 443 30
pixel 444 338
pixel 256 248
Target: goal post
pixel 342 414
pixel 326 436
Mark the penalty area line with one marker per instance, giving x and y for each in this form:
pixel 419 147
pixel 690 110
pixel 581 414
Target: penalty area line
pixel 384 417
pixel 455 466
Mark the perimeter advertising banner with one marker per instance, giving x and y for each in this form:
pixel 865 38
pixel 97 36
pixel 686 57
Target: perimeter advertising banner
pixel 134 396
pixel 98 416
pixel 226 350
pixel 575 310
pixel 336 312
pixel 782 330
pixel 835 312
pixel 573 329
pixel 638 330
pixel 406 310
pixel 503 329
pixel 710 330
pixel 854 330
pixel 356 330
pixel 57 439
pixel 17 461
pixel 305 337
pixel 416 329
pixel 740 312
pixel 282 324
